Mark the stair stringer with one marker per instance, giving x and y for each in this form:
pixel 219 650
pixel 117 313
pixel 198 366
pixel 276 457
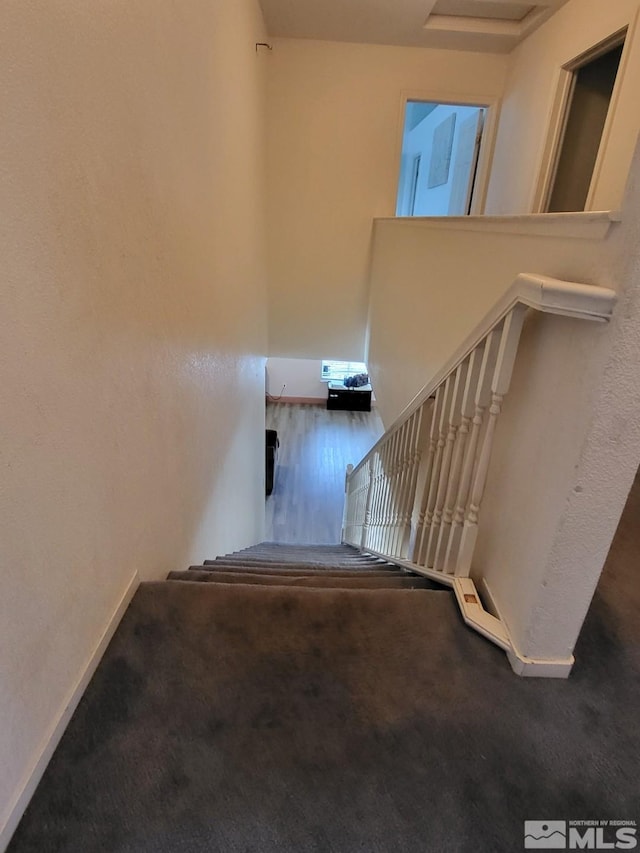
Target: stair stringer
pixel 469 602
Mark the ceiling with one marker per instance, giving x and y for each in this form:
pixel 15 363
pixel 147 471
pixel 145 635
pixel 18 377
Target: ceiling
pixel 492 26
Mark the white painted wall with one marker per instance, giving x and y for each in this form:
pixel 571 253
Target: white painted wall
pixel 530 92
pixel 335 124
pixel 132 320
pixel 429 201
pixel 301 376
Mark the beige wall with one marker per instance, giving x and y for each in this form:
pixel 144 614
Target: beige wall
pixel 529 96
pixel 433 280
pixel 334 123
pixel 132 319
pixel 300 376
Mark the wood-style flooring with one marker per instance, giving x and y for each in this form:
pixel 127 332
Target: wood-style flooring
pixel 316 446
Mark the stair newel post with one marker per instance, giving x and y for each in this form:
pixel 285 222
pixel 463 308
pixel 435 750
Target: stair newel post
pixel 426 447
pixel 435 453
pixel 369 498
pixel 454 453
pixel 474 401
pixel 508 347
pixel 446 437
pixel 413 465
pixel 347 504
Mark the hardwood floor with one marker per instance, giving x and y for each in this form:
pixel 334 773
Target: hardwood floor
pixel 315 448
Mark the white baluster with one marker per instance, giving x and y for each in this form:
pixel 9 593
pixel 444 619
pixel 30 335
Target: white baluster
pixel 474 401
pixel 509 340
pixel 426 447
pixel 396 441
pixel 424 483
pixel 385 510
pixel 434 473
pixel 347 504
pixel 454 450
pixel 413 465
pixel 367 505
pixel 375 519
pixel 446 439
pixel 406 455
pixel 392 509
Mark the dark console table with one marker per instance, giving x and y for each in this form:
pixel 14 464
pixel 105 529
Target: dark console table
pixel 340 398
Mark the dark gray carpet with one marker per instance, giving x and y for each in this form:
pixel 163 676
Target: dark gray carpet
pixel 270 719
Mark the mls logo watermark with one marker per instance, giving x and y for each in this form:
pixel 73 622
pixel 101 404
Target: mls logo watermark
pixel 545 834
pixel 580 835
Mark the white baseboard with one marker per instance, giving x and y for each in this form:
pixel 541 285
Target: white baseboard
pixel 31 778
pixel 521 665
pixel 532 668
pixel 305 401
pixel 474 614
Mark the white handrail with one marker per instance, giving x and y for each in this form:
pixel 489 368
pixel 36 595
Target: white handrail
pixel 416 495
pixel 539 292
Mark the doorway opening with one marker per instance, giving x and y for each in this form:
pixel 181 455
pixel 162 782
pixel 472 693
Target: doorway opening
pixel 439 162
pixel 584 106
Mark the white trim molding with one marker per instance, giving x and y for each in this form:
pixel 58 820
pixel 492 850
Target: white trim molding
pixel 589 225
pixel 492 104
pixel 531 668
pixel 520 664
pixel 477 617
pixel 43 754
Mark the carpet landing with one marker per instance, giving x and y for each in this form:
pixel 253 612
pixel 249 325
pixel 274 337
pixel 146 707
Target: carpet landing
pixel 271 718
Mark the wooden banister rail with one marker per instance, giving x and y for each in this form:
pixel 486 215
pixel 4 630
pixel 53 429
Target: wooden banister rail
pixel 416 496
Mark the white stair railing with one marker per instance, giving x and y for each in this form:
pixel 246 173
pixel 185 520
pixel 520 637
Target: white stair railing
pixel 416 496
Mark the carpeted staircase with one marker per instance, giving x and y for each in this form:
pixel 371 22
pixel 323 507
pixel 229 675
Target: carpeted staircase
pixel 287 699
pixel 313 566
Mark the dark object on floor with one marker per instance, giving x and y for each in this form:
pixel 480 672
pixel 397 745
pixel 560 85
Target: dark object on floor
pixel 269 718
pixel 341 398
pixel 273 443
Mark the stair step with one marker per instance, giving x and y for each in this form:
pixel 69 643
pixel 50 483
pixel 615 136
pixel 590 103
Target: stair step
pixel 298 571
pixel 402 582
pixel 276 554
pixel 293 567
pixel 329 564
pixel 290 546
pixel 306 553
